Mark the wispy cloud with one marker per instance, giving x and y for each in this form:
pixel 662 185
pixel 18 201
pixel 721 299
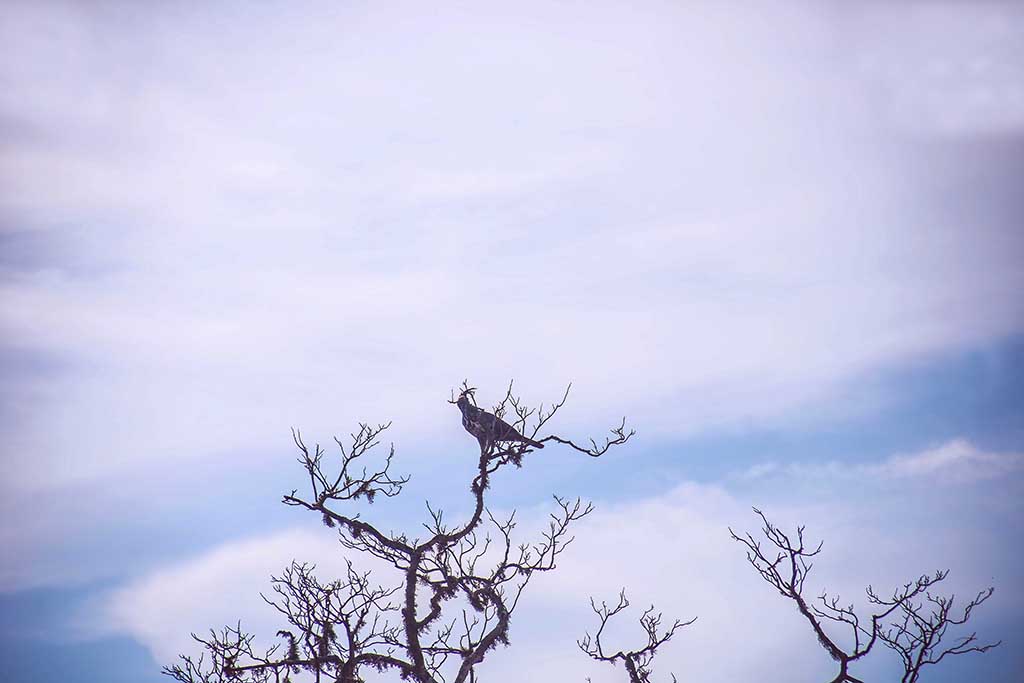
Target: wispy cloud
pixel 330 212
pixel 972 85
pixel 233 574
pixel 955 462
pixel 958 459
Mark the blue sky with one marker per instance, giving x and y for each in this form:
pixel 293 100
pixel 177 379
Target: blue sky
pixel 784 240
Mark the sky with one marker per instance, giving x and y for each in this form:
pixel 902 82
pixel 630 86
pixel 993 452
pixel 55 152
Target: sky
pixel 783 239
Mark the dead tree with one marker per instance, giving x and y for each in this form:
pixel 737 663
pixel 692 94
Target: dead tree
pixel 917 637
pixel 458 588
pixel 784 564
pixel 637 662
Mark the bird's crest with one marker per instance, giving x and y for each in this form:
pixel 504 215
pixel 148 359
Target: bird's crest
pixel 465 392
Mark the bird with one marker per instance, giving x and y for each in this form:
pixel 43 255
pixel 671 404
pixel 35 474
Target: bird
pixel 487 427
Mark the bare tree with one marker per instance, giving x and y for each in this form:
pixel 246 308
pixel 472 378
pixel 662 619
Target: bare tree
pixel 917 637
pixel 458 586
pixel 637 662
pixel 785 564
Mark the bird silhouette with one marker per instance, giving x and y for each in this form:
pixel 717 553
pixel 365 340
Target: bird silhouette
pixel 487 427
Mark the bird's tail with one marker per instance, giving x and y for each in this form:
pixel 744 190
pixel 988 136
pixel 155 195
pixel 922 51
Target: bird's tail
pixel 531 442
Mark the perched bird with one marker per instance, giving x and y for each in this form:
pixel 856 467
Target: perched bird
pixel 487 427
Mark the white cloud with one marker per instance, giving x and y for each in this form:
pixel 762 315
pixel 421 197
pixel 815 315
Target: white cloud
pixel 956 461
pixel 217 588
pixel 945 68
pixel 958 458
pixel 672 550
pixel 333 215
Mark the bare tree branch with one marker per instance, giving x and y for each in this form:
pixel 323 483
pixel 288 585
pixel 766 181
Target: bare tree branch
pixel 637 662
pixel 456 589
pixel 784 565
pixel 918 634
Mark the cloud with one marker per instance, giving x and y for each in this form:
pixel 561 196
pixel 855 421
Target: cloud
pixel 672 550
pixel 972 86
pixel 957 461
pixel 206 589
pixel 350 223
pixel 219 224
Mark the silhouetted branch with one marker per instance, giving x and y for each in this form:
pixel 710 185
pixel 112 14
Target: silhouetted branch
pixel 784 565
pixel 637 662
pixel 917 637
